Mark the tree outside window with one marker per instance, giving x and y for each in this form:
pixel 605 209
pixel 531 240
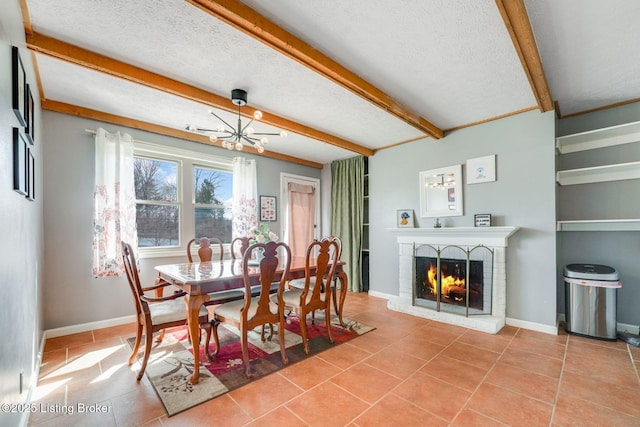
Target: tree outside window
pixel 212 197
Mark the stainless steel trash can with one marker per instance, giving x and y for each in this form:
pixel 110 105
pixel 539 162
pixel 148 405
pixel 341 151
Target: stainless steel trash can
pixel 590 299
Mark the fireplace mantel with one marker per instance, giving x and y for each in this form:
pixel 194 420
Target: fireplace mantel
pixel 488 236
pixel 493 237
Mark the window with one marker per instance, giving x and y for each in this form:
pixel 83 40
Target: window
pixel 157 207
pixel 212 216
pixel 180 195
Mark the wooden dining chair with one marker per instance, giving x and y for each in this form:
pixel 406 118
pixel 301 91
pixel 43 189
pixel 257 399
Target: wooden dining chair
pixel 205 251
pixel 155 313
pixel 239 246
pixel 259 310
pixel 299 283
pixel 315 295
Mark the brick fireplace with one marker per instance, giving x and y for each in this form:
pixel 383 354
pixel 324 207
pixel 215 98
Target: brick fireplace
pixel 488 315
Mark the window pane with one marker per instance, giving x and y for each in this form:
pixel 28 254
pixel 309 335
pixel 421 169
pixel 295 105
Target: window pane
pixel 212 187
pixel 213 222
pixel 157 225
pixel 155 179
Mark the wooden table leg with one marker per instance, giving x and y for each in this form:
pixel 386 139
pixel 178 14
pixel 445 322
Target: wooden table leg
pixel 194 302
pixel 344 286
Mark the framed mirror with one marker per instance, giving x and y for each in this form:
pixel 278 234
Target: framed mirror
pixel 441 192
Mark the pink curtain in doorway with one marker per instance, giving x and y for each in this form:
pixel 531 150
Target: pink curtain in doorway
pixel 302 201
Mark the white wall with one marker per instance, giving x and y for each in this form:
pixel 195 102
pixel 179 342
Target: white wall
pixel 21 237
pixel 73 296
pixel 523 196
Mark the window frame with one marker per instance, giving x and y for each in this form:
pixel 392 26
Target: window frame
pixel 187 160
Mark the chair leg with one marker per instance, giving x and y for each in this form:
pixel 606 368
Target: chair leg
pixel 327 319
pixel 245 352
pixel 216 340
pixel 160 337
pixel 303 331
pixel 136 346
pixel 148 339
pixel 283 353
pixel 207 340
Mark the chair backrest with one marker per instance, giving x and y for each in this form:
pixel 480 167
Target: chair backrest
pixel 205 252
pixel 269 263
pixel 328 254
pixel 339 242
pixel 239 246
pixel 131 268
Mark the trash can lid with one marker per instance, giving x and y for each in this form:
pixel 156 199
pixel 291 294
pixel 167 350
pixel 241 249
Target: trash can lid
pixel 590 271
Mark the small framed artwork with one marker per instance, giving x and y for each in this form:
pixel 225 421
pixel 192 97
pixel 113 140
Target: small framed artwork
pixel 482 220
pixel 268 211
pixel 18 89
pixel 405 218
pixel 31 176
pixel 481 169
pixel 19 162
pixel 30 119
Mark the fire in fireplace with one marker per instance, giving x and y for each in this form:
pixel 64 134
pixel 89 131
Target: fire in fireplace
pixel 451 282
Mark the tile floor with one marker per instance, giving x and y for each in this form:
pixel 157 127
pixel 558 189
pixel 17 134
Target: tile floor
pixel 409 372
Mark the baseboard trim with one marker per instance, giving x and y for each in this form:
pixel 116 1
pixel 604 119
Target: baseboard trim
pixel 84 327
pixel 538 327
pixel 381 295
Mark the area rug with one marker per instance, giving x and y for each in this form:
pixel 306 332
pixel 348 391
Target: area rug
pixel 170 364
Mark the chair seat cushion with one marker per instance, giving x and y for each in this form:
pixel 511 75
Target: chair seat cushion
pixel 171 311
pixel 299 283
pixel 291 298
pixel 231 310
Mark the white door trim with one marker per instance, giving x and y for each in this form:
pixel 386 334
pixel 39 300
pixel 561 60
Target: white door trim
pixel 285 179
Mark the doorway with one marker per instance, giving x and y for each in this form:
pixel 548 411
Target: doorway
pixel 300 196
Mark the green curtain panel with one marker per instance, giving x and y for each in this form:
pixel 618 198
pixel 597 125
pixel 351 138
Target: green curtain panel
pixel 347 187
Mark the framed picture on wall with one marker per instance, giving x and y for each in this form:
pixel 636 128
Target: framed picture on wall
pixel 30 119
pixel 268 211
pixel 18 88
pixel 20 162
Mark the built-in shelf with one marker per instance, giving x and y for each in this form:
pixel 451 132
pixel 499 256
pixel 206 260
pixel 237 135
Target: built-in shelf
pixel 599 225
pixel 615 172
pixel 599 138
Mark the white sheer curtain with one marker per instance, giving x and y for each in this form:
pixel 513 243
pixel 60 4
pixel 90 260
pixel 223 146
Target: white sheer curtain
pixel 114 213
pixel 245 196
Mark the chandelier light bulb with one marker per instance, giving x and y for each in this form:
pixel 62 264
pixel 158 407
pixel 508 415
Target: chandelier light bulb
pixel 219 128
pixel 264 140
pixel 192 128
pixel 249 131
pixel 260 149
pixel 257 114
pixel 239 146
pixel 283 134
pixel 213 138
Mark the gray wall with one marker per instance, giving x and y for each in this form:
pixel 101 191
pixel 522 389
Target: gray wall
pixel 73 297
pixel 21 242
pixel 523 196
pixel 606 200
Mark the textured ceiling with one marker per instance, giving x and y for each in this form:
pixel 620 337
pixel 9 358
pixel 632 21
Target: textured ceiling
pixel 451 62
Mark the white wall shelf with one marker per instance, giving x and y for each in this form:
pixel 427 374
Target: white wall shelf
pixel 599 225
pixel 599 138
pixel 615 172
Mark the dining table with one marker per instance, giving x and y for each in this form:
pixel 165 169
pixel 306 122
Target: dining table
pixel 200 279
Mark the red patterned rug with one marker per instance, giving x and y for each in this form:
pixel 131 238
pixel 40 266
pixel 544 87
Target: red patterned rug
pixel 171 362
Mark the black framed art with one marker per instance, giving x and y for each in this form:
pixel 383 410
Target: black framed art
pixel 18 89
pixel 30 119
pixel 268 210
pixel 20 162
pixel 31 175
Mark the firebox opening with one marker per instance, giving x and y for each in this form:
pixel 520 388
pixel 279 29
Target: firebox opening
pixel 452 281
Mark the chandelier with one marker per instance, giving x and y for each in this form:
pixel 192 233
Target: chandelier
pixel 235 138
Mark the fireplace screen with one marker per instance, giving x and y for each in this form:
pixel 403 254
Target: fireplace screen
pixel 454 279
